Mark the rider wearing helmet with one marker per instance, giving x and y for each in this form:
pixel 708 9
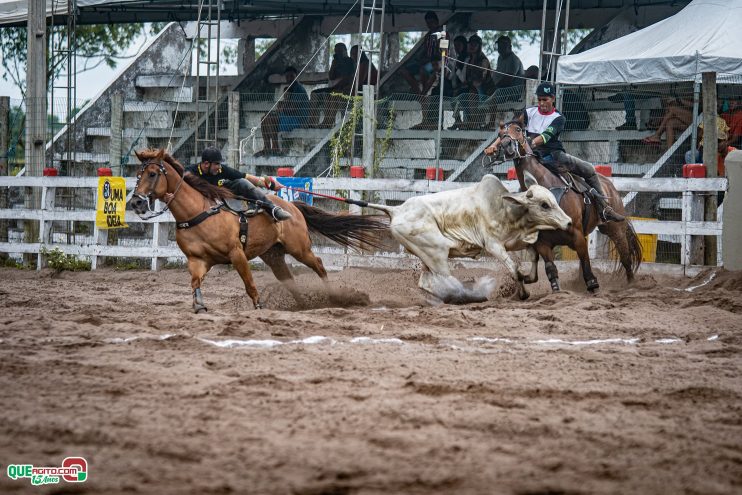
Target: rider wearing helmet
pixel 543 125
pixel 245 185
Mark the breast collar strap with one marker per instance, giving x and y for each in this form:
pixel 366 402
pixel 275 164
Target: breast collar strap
pixel 199 218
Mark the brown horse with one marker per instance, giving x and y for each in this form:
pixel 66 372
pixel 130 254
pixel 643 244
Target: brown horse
pixel 584 218
pixel 216 238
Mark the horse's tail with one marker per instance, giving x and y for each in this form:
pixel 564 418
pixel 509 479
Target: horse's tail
pixel 634 252
pixel 353 231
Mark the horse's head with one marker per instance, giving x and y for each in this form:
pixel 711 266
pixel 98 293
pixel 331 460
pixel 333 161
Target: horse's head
pixel 512 140
pixel 151 182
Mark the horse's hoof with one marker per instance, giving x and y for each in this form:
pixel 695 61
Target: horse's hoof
pixel 592 285
pixel 258 306
pixel 198 308
pixel 555 287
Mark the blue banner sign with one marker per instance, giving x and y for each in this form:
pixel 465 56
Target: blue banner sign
pixel 298 183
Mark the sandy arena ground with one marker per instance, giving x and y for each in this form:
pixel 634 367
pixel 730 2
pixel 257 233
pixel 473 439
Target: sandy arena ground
pixel 636 390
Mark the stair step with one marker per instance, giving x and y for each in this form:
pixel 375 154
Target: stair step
pixel 150 132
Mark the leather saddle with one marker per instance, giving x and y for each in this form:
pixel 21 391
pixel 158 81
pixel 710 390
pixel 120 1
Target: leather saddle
pixel 239 206
pixel 570 180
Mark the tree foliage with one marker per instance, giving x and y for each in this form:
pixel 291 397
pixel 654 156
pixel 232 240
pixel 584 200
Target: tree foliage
pixel 106 42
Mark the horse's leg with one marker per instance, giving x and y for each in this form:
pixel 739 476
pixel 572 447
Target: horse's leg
pixel 532 276
pixel 580 245
pixel 198 269
pixel 239 261
pixel 498 251
pixel 547 253
pixel 275 259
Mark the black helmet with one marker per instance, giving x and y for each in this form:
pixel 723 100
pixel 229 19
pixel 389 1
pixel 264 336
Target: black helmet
pixel 212 155
pixel 546 89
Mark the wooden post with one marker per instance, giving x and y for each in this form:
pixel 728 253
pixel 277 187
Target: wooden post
pixel 233 129
pixel 4 146
pixel 391 51
pixel 45 226
pixel 35 109
pixel 710 153
pixel 369 129
pixel 732 233
pixel 159 239
pixel 116 144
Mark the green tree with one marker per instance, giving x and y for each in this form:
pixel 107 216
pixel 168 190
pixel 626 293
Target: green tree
pixel 107 42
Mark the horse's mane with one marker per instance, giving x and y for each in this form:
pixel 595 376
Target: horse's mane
pixel 207 190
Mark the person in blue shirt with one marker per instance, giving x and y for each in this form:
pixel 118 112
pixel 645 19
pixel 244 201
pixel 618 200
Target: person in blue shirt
pixel 543 125
pixel 292 112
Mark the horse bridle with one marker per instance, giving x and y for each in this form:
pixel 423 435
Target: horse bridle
pixel 518 154
pixel 148 198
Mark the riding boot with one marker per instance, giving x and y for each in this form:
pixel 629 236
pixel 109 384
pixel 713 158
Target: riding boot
pixel 249 191
pixel 607 213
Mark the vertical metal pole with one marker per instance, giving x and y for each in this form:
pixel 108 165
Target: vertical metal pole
pixel 440 111
pixel 565 36
pixel 381 47
pixel 543 34
pixel 694 132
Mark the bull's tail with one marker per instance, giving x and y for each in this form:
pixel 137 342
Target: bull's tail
pixel 353 231
pixel 389 210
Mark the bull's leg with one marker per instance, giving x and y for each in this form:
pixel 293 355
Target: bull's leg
pixel 240 263
pixel 532 276
pixel 580 245
pixel 432 248
pixel 198 269
pixel 498 251
pixel 547 253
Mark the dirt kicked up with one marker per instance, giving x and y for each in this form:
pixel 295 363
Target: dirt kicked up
pixel 635 390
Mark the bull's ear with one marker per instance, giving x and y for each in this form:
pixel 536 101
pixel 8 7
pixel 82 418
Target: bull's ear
pixel 514 199
pixel 530 180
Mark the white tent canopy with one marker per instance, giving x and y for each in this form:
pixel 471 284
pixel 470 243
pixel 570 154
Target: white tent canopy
pixel 703 37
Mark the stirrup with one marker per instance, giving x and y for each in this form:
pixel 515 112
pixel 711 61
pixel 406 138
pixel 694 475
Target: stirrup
pixel 616 217
pixel 274 214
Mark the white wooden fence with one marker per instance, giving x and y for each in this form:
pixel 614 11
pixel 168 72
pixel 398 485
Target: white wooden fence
pixel 690 227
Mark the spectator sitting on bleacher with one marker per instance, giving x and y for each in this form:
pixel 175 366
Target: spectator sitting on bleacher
pixel 732 114
pixel 422 65
pixel 457 74
pixel 506 82
pixel 476 79
pixel 724 146
pixel 340 77
pixel 431 98
pixel 678 116
pixel 363 69
pixel 291 112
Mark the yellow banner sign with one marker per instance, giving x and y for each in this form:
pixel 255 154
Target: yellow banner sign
pixel 111 203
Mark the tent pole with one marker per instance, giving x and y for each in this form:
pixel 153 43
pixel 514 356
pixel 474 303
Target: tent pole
pixel 543 33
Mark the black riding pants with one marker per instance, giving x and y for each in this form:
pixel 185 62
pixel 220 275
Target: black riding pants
pixel 246 189
pixel 584 169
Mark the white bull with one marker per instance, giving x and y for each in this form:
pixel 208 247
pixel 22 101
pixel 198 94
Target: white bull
pixel 469 222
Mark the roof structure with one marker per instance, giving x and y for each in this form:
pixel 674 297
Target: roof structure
pixel 14 12
pixel 703 37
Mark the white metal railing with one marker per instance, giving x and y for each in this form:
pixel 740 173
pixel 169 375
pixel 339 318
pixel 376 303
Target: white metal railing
pixel 690 227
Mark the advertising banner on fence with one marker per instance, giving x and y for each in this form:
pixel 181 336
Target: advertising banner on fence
pixel 298 183
pixel 111 203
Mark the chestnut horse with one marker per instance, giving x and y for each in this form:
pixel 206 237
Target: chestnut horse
pixel 584 218
pixel 216 238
